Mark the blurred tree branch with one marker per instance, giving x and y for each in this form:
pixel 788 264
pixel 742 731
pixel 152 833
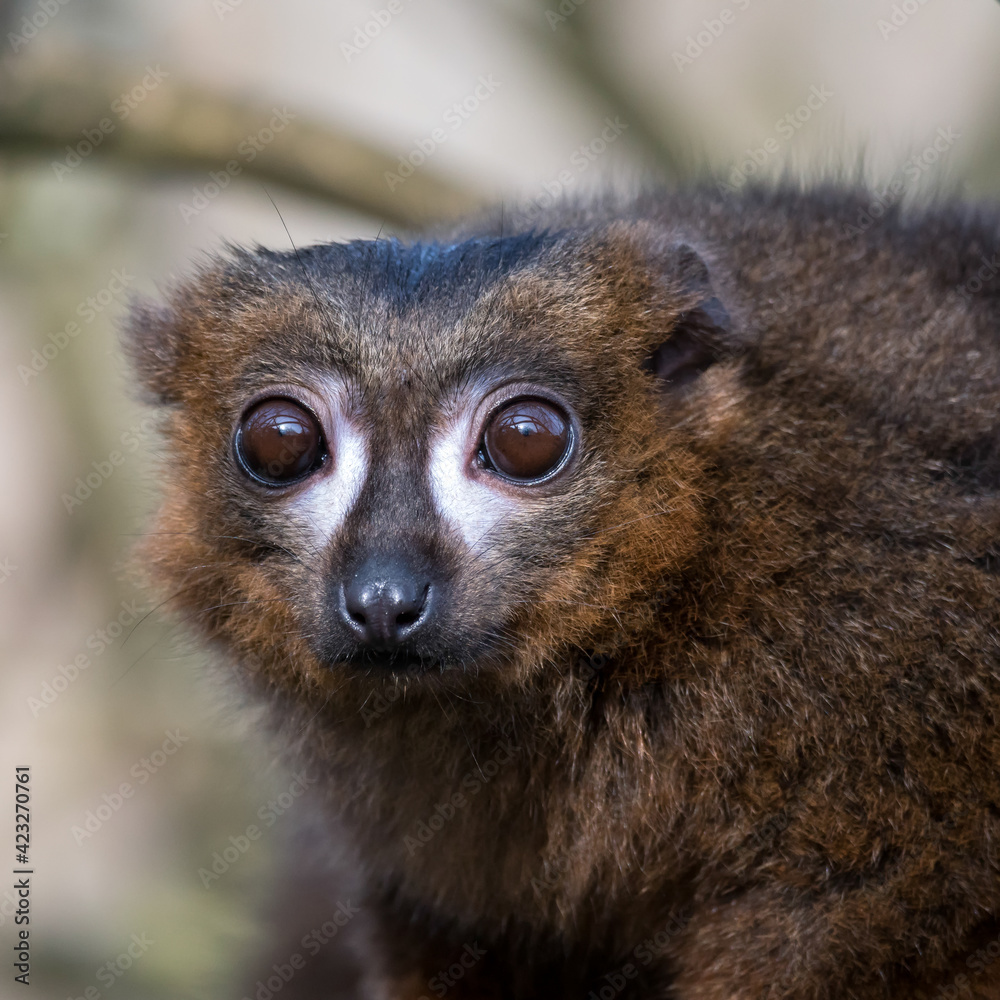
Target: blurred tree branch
pixel 574 42
pixel 190 130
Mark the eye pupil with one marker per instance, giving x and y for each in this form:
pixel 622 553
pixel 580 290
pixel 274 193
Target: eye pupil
pixel 279 442
pixel 527 439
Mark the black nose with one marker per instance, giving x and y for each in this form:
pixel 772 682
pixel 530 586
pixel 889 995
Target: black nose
pixel 385 602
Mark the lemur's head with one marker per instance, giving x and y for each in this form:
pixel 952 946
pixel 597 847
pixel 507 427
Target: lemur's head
pixel 429 459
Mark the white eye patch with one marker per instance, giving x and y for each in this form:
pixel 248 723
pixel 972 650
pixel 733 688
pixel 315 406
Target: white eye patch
pixel 322 508
pixel 463 502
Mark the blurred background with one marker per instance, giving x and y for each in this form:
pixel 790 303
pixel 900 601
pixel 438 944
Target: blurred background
pixel 135 137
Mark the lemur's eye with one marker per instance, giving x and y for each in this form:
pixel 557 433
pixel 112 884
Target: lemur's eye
pixel 279 441
pixel 526 439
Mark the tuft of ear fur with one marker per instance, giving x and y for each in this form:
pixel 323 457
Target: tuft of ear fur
pixel 685 312
pixel 702 333
pixel 151 341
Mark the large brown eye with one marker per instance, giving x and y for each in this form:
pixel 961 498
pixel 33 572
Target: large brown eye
pixel 527 439
pixel 279 442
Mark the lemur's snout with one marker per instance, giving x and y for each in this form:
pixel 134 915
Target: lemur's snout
pixel 385 602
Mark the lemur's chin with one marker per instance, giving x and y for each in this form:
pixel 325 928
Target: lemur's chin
pixel 385 662
pixel 389 664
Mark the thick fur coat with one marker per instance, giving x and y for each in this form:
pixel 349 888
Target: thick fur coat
pixel 713 715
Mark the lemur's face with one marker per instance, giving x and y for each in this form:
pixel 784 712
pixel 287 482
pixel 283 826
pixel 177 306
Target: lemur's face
pixel 413 459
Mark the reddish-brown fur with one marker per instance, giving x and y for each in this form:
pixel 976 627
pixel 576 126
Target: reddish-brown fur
pixel 748 690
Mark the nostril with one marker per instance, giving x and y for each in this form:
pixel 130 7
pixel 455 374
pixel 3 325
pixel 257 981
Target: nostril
pixel 410 614
pixel 383 605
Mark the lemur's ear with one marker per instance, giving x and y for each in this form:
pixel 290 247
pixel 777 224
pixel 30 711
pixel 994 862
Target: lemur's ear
pixel 151 341
pixel 702 331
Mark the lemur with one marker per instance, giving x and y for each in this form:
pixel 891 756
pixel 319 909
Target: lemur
pixel 627 574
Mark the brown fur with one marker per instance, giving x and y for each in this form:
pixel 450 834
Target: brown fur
pixel 745 686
